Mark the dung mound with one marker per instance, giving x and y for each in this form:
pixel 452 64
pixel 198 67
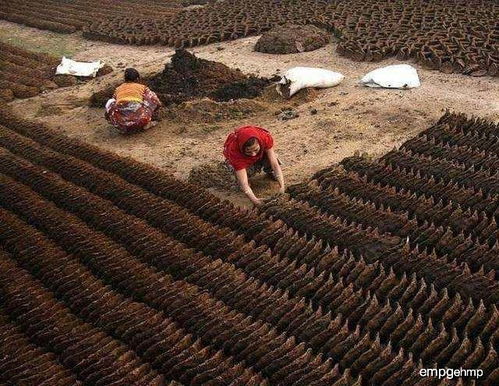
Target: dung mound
pixel 99 98
pixel 188 77
pixel 291 39
pixel 106 69
pixel 213 175
pixel 248 88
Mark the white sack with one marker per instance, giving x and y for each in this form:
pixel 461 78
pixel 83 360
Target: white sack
pixel 70 67
pixel 297 78
pixel 396 76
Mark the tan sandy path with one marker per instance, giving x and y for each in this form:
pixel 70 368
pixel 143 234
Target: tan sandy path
pixel 350 117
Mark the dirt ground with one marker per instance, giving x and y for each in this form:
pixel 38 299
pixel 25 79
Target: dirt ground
pixel 349 117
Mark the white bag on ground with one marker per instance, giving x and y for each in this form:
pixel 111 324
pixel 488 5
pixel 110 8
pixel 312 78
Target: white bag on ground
pixel 71 67
pixel 396 76
pixel 297 78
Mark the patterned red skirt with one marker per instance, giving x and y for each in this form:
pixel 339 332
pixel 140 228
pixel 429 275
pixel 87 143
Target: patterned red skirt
pixel 131 116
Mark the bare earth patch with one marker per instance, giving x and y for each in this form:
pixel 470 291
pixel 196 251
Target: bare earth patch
pixel 349 117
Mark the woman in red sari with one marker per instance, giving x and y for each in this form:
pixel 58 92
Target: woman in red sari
pixel 133 105
pixel 249 150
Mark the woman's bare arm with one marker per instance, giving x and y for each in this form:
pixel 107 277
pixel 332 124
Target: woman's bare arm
pixel 274 163
pixel 242 179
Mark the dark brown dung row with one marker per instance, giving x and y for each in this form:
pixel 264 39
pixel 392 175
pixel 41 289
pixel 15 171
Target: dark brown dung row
pixel 424 207
pixel 386 248
pixel 444 241
pixel 90 353
pixel 451 36
pixel 25 361
pixel 153 336
pixel 443 188
pixel 24 74
pixel 348 280
pixel 465 155
pixel 68 17
pixel 73 170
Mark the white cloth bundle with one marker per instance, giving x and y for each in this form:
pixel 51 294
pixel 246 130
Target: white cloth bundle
pixel 396 76
pixel 297 78
pixel 71 67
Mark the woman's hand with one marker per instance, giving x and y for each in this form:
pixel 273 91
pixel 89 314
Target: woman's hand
pixel 242 178
pixel 274 163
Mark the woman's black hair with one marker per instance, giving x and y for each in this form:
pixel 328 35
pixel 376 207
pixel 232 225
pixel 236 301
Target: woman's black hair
pixel 250 142
pixel 131 75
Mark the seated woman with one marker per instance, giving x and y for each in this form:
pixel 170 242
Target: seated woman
pixel 133 105
pixel 249 150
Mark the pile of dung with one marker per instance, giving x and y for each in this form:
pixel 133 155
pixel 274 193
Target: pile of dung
pixel 188 77
pixel 213 175
pixel 251 87
pixel 291 39
pixel 99 98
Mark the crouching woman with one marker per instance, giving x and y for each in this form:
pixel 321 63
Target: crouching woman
pixel 250 150
pixel 133 106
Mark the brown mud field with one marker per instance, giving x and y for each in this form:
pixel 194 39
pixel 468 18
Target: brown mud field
pixel 330 124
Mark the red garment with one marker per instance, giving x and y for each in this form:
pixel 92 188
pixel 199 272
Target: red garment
pixel 233 148
pixel 132 116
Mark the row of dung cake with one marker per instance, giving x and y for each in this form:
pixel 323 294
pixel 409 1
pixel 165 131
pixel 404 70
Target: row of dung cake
pixel 456 240
pixel 452 36
pixel 270 275
pixel 24 74
pixel 60 228
pixel 149 252
pixel 387 248
pixel 126 349
pixel 69 17
pixel 205 316
pixel 114 265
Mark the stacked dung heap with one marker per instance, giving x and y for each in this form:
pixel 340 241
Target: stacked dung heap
pixel 112 271
pixel 24 74
pixel 187 77
pixel 291 39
